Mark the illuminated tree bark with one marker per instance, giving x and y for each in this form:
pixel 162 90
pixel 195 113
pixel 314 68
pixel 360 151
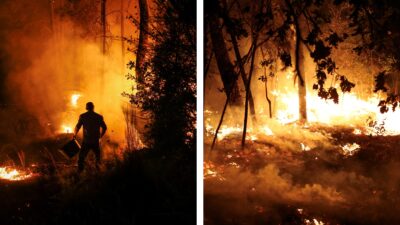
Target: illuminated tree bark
pixel 299 65
pixel 248 84
pixel 300 70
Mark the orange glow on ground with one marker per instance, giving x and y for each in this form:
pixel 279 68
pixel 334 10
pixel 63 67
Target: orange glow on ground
pixel 12 174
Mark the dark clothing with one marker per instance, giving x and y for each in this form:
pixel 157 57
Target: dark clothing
pixel 91 122
pixel 85 150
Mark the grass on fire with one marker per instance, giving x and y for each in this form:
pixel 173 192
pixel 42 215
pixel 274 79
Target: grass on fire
pixel 144 187
pixel 276 180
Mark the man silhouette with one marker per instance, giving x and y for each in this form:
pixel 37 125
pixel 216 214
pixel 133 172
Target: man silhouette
pixel 91 122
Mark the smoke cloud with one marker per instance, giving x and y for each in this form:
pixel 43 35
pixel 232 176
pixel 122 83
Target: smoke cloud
pixel 47 65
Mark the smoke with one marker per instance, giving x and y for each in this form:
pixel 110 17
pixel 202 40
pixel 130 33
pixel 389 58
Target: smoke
pixel 46 67
pixel 275 181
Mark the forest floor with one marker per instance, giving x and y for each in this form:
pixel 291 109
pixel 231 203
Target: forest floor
pixel 140 187
pixel 315 175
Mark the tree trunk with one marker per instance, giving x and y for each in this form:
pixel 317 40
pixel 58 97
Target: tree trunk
pixel 103 49
pixel 224 63
pixel 248 84
pixel 143 37
pixel 266 86
pixel 240 64
pixel 266 96
pixel 243 75
pixel 123 65
pixel 300 65
pixel 52 22
pixel 300 70
pixel 220 123
pixel 103 26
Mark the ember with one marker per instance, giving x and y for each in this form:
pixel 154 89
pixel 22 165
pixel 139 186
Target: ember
pixel 350 149
pixel 12 174
pixel 210 171
pixel 305 147
pixel 313 222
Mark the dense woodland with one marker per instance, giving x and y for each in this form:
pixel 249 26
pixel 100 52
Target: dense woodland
pixel 317 166
pixel 244 38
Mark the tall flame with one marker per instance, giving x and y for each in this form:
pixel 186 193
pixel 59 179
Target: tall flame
pixel 363 115
pixel 70 114
pixel 351 110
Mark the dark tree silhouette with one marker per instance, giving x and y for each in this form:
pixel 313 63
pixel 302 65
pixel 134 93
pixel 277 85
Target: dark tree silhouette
pixel 375 23
pixel 140 68
pixel 289 30
pixel 169 86
pixel 225 66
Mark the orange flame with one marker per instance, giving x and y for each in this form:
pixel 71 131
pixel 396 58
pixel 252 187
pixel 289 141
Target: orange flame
pixel 8 173
pixel 74 99
pixel 66 129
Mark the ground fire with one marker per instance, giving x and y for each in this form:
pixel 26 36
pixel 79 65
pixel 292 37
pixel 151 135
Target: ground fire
pixel 12 174
pixel 301 120
pixel 48 84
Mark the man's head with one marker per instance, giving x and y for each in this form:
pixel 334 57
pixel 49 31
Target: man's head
pixel 89 106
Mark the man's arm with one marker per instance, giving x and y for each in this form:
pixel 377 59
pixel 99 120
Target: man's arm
pixel 103 127
pixel 78 126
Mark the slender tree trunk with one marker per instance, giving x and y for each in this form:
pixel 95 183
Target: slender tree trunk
pixel 143 38
pixel 224 63
pixel 103 26
pixel 243 75
pixel 75 51
pixel 266 96
pixel 103 48
pixel 248 84
pixel 300 65
pixel 51 6
pixel 122 38
pixel 266 86
pixel 240 63
pixel 207 65
pixel 220 123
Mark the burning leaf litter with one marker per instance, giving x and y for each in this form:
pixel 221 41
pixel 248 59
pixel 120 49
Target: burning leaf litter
pixel 13 174
pixel 210 171
pixel 313 222
pixel 305 147
pixel 350 149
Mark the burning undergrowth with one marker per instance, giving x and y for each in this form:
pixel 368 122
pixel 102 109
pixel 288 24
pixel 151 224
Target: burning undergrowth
pixel 313 174
pixel 49 74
